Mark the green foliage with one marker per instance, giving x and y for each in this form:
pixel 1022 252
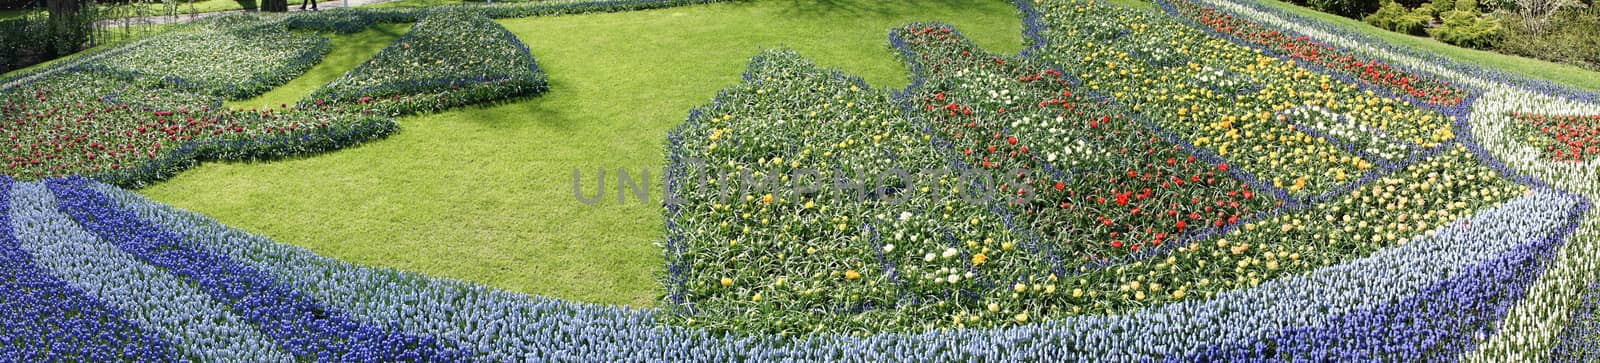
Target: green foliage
pixel 1349 8
pixel 1571 38
pixel 31 39
pixel 1396 17
pixel 1468 29
pixel 1439 6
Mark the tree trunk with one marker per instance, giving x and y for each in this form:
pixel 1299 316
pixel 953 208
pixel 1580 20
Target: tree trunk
pixel 65 26
pixel 276 6
pixel 62 11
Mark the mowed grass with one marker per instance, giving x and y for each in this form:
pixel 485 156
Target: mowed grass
pixel 349 50
pixel 485 194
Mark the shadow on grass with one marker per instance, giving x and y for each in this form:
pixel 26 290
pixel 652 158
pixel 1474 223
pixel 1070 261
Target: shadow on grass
pixel 846 8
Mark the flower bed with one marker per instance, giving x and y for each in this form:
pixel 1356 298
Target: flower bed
pixel 426 70
pixel 1429 90
pixel 1467 270
pixel 301 326
pixel 1456 233
pixel 47 319
pixel 816 262
pixel 130 133
pixel 852 248
pixel 1563 138
pixel 1256 111
pixel 236 57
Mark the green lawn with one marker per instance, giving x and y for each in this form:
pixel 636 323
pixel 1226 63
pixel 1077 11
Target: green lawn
pixel 349 50
pixel 1561 73
pixel 485 193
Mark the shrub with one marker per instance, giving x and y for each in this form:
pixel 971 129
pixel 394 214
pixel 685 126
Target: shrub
pixel 1348 8
pixel 1396 17
pixel 1468 29
pixel 30 39
pixel 1439 6
pixel 1571 39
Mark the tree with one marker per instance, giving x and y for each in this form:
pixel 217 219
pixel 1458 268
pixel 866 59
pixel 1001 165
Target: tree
pixel 1536 14
pixel 276 6
pixel 67 28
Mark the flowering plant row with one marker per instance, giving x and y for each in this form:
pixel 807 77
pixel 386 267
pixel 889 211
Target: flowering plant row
pixel 1241 105
pixel 745 259
pixel 1497 132
pixel 426 70
pixel 144 292
pixel 47 319
pixel 1468 269
pixel 236 57
pixel 1423 87
pixel 299 325
pixel 1573 138
pixel 133 132
pixel 1093 182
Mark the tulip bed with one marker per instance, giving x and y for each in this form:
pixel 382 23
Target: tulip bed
pixel 1303 131
pixel 1215 182
pixel 1574 138
pixel 133 131
pixel 411 75
pixel 1401 81
pixel 1021 251
pixel 235 57
pixel 146 112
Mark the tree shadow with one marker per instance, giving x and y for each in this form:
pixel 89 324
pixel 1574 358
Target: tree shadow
pixel 853 8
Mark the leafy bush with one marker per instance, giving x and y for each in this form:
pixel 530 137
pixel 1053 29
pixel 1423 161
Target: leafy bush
pixel 1439 6
pixel 1468 29
pixel 30 39
pixel 1571 38
pixel 1348 8
pixel 1396 17
pixel 27 42
pixel 428 69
